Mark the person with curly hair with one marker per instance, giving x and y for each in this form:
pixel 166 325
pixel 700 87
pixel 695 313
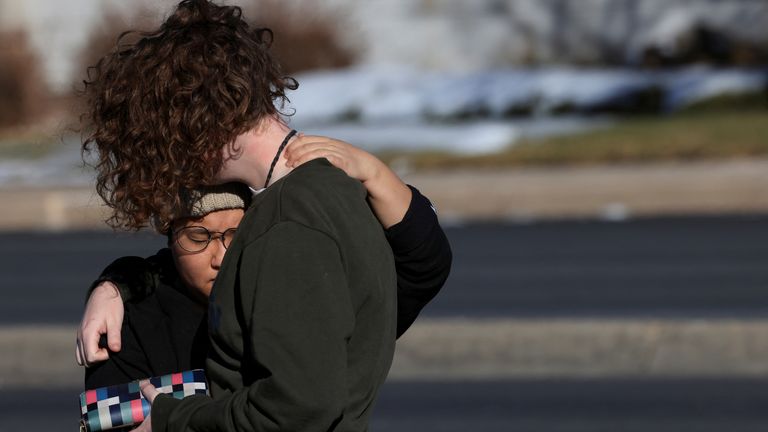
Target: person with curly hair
pixel 302 315
pixel 146 317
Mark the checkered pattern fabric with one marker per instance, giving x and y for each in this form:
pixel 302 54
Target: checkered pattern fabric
pixel 123 404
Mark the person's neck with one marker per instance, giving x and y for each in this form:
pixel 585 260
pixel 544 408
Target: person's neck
pixel 259 147
pixel 279 132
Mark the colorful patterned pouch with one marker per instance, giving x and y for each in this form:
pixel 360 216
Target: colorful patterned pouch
pixel 123 405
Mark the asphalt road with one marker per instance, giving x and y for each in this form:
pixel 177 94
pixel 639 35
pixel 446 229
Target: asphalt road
pixel 683 267
pixel 666 405
pixel 672 267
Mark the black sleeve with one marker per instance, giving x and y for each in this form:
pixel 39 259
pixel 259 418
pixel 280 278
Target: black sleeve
pixel 133 276
pixel 422 259
pixel 127 365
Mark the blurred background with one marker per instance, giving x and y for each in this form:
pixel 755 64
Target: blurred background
pixel 600 167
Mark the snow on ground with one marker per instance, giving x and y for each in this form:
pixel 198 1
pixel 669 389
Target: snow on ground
pixel 63 167
pixel 476 137
pixel 388 108
pixel 381 94
pixel 692 85
pixel 473 138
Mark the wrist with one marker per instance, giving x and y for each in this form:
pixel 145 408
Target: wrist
pixel 378 182
pixel 107 289
pixel 374 172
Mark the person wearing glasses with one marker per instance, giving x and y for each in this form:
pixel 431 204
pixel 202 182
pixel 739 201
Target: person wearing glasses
pixel 164 332
pixel 161 328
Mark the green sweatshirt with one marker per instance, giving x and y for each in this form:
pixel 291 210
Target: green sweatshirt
pixel 302 316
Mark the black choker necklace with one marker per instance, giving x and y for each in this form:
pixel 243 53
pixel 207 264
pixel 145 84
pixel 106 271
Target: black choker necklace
pixel 277 156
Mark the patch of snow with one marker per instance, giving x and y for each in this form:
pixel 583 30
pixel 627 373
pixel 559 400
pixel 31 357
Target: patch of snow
pixel 476 137
pixel 399 108
pixel 473 138
pixel 389 94
pixel 696 84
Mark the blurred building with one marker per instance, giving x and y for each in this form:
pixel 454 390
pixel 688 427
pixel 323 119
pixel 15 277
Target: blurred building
pixel 458 34
pixel 451 34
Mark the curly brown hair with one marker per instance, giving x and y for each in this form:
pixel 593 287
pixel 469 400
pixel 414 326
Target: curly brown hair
pixel 161 109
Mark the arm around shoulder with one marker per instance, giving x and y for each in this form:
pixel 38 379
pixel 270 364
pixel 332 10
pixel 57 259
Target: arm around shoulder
pixel 126 279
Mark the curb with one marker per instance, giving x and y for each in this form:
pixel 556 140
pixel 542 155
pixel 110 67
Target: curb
pixel 612 192
pixel 52 209
pixel 526 348
pixel 463 349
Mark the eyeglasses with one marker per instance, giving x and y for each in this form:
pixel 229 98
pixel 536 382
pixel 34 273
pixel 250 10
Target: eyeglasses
pixel 196 238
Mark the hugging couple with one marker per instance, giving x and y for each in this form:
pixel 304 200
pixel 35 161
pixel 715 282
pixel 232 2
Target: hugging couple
pixel 292 263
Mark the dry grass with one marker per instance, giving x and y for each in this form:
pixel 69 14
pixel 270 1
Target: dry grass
pixel 711 135
pixel 26 147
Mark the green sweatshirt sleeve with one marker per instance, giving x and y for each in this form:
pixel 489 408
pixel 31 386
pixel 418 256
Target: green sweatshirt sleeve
pixel 298 317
